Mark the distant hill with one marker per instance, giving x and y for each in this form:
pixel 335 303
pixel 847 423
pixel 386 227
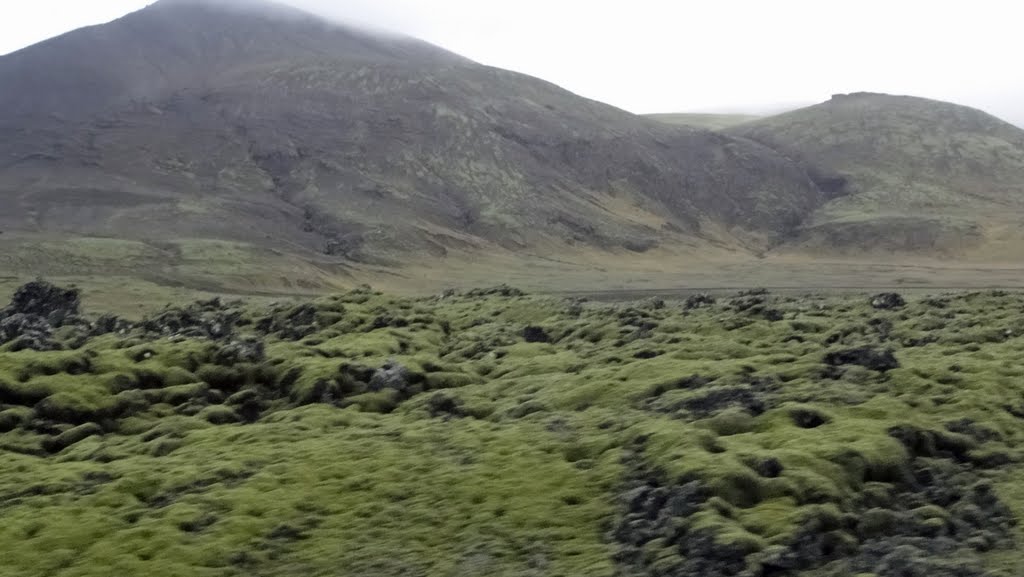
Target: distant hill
pixel 904 174
pixel 699 120
pixel 188 125
pixel 250 147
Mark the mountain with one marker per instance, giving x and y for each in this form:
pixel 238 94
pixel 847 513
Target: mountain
pixel 208 139
pixel 904 174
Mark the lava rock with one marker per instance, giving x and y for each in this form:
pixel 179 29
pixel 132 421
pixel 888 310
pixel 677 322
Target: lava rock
pixel 769 468
pixel 392 376
pixel 241 351
pixel 210 319
pixel 107 324
pixel 808 418
pixel 867 357
pixel 888 301
pixel 500 290
pixel 718 399
pixel 535 334
pixel 442 405
pixel 30 331
pixel 46 300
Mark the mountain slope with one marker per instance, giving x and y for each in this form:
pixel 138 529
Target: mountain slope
pixel 267 127
pixel 905 174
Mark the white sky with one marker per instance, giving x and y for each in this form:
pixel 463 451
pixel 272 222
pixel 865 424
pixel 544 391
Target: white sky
pixel 683 55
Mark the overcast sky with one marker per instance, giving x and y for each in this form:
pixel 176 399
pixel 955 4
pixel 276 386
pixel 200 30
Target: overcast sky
pixel 683 55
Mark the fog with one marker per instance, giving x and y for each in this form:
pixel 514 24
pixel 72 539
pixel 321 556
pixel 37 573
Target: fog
pixel 665 56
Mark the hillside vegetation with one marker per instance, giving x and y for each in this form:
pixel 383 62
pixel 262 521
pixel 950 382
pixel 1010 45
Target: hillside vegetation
pixel 295 156
pixel 907 175
pixel 297 138
pixel 495 433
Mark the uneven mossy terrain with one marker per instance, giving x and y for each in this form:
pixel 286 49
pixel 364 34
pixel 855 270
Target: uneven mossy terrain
pixel 496 433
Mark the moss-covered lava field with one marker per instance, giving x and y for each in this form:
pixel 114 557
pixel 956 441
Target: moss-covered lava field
pixel 492 433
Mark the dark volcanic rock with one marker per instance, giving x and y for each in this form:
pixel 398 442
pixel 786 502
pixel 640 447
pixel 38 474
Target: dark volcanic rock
pixel 715 400
pixel 808 418
pixel 769 468
pixel 36 309
pixel 887 301
pixel 241 351
pixel 211 319
pixel 534 334
pixel 30 332
pixel 443 405
pixel 43 299
pixel 864 356
pixel 699 301
pixel 107 324
pixel 500 290
pixel 394 376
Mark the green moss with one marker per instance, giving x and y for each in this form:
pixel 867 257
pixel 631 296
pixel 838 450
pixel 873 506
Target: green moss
pixel 376 402
pixel 219 415
pixel 72 436
pixel 449 380
pixel 733 421
pixel 14 417
pixel 175 395
pixel 76 405
pixel 170 464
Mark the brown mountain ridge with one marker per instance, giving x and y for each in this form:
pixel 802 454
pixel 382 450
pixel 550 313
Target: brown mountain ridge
pixel 251 144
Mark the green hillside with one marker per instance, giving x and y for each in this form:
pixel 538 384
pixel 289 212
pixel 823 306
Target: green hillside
pixel 906 175
pixel 305 150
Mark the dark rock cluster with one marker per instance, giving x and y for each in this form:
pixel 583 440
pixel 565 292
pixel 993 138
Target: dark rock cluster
pixel 36 310
pixel 933 521
pixel 867 357
pixel 210 319
pixel 699 300
pixel 888 301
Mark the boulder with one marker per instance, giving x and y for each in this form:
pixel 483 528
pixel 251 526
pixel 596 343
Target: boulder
pixel 535 334
pixel 241 351
pixel 107 324
pixel 887 301
pixel 699 300
pixel 29 330
pixel 876 360
pixel 391 376
pixel 45 300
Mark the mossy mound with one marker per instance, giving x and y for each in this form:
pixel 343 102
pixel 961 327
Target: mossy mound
pixel 497 433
